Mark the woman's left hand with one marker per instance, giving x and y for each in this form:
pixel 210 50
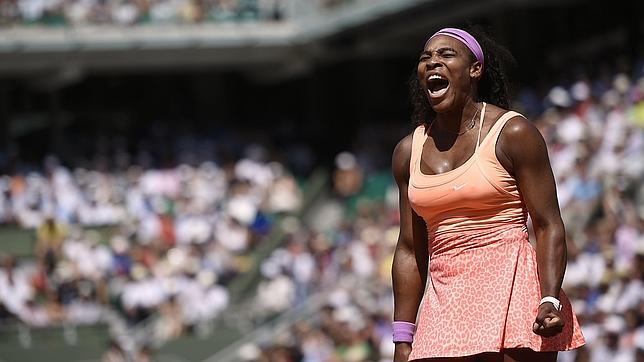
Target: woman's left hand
pixel 549 321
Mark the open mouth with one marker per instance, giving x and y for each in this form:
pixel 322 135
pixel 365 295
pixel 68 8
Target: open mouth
pixel 437 85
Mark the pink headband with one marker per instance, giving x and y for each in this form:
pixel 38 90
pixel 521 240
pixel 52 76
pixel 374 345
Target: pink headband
pixel 466 38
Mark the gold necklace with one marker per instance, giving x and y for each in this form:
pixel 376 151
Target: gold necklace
pixel 469 127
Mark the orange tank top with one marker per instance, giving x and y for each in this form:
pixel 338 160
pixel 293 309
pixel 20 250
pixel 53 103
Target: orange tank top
pixel 478 195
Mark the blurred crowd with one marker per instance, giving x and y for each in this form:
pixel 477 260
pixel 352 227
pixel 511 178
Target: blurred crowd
pixel 595 133
pixel 141 242
pixel 596 136
pixel 140 12
pixel 349 268
pixel 131 12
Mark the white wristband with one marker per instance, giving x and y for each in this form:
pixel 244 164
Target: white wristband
pixel 555 302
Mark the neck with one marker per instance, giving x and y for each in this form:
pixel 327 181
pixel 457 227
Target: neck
pixel 457 120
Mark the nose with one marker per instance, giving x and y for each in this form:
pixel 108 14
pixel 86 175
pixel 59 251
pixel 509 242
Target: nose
pixel 432 63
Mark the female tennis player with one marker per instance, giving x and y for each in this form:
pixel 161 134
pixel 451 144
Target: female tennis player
pixel 468 176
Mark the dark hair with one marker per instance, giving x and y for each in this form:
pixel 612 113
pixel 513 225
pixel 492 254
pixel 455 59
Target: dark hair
pixel 493 87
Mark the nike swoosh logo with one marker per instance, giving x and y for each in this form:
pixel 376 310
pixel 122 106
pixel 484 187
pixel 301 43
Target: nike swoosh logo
pixel 458 187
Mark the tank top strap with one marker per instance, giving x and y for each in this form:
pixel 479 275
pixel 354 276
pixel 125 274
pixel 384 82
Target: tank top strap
pixel 418 140
pixel 481 118
pixel 497 127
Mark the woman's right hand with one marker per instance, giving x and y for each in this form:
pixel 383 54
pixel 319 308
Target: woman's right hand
pixel 402 351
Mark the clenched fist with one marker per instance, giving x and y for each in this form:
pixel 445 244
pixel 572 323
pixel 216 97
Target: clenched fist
pixel 549 321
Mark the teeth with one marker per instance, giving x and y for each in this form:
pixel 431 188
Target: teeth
pixel 435 76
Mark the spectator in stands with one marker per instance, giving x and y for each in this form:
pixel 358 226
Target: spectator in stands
pixel 50 237
pixel 15 288
pixel 348 177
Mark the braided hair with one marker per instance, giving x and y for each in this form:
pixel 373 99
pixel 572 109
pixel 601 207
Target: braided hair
pixel 493 87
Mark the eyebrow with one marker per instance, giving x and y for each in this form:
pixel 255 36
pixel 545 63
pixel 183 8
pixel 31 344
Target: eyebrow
pixel 440 50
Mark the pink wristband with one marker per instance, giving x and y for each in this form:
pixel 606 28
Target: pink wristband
pixel 403 331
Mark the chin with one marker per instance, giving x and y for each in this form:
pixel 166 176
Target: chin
pixel 442 105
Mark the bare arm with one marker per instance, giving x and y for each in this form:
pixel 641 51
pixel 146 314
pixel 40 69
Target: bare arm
pixel 525 148
pixel 409 271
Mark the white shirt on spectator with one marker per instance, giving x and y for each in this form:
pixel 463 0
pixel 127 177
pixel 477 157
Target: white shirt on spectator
pixel 14 294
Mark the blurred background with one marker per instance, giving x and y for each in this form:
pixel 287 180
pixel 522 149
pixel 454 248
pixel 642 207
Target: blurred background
pixel 209 180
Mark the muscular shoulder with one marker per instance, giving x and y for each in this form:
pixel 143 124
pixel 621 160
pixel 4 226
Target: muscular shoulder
pixel 520 139
pixel 401 158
